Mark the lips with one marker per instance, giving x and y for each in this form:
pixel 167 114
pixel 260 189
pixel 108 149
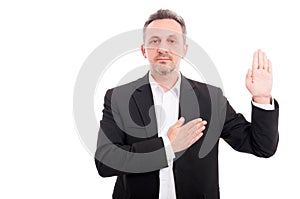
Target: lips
pixel 163 58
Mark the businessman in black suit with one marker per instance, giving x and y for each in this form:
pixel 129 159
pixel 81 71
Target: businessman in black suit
pixel 153 129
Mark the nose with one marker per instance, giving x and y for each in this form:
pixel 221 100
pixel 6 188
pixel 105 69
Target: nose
pixel 163 48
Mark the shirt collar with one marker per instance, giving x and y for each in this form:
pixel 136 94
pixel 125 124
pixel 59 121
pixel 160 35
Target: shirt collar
pixel 175 88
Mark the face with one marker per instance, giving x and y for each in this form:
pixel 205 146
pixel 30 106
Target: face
pixel 164 46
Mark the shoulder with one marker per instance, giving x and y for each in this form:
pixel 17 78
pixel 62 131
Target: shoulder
pixel 204 87
pixel 128 88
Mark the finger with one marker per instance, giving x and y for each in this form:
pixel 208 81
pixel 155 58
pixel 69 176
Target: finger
pixel 255 61
pixel 202 128
pixel 199 125
pixel 249 78
pixel 270 66
pixel 192 123
pixel 198 128
pixel 192 133
pixel 203 123
pixel 249 74
pixel 260 59
pixel 265 66
pixel 179 122
pixel 195 139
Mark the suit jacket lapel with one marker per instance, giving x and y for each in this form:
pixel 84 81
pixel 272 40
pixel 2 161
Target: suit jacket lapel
pixel 188 102
pixel 143 99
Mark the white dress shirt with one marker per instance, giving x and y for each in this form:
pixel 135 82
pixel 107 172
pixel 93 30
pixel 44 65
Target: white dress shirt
pixel 166 110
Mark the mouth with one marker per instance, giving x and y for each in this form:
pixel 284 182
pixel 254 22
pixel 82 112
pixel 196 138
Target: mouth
pixel 163 59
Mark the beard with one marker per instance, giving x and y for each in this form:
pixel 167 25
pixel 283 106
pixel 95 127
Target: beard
pixel 163 69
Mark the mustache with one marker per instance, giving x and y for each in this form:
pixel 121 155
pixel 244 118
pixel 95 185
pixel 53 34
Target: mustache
pixel 163 56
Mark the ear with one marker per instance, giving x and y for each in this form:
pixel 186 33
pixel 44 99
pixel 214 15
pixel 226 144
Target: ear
pixel 185 49
pixel 143 51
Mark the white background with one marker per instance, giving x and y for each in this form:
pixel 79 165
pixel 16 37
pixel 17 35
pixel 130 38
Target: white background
pixel 44 44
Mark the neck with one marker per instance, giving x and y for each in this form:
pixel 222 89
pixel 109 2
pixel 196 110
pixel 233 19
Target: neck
pixel 165 81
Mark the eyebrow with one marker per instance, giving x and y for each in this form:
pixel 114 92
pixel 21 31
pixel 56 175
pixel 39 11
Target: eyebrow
pixel 152 37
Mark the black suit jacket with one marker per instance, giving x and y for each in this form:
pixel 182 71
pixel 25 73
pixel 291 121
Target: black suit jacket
pixel 129 147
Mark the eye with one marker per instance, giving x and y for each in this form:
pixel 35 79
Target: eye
pixel 154 41
pixel 172 41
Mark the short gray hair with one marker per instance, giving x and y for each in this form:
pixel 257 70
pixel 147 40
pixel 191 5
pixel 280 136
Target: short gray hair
pixel 166 14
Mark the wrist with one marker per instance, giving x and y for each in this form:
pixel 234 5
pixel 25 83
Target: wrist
pixel 262 99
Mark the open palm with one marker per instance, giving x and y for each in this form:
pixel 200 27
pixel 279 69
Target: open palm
pixel 259 79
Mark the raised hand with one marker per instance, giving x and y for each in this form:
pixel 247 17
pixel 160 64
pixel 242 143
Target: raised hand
pixel 183 136
pixel 259 79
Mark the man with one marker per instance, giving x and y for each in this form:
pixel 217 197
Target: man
pixel 153 128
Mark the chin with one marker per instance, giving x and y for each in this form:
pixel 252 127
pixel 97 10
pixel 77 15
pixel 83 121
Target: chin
pixel 163 70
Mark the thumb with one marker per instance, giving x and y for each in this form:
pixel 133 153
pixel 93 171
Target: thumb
pixel 179 122
pixel 249 77
pixel 249 74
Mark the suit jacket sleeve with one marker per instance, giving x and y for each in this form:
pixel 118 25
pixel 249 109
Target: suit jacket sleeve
pixel 116 156
pixel 260 137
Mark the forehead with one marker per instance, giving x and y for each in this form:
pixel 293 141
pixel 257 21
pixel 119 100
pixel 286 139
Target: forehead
pixel 163 27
